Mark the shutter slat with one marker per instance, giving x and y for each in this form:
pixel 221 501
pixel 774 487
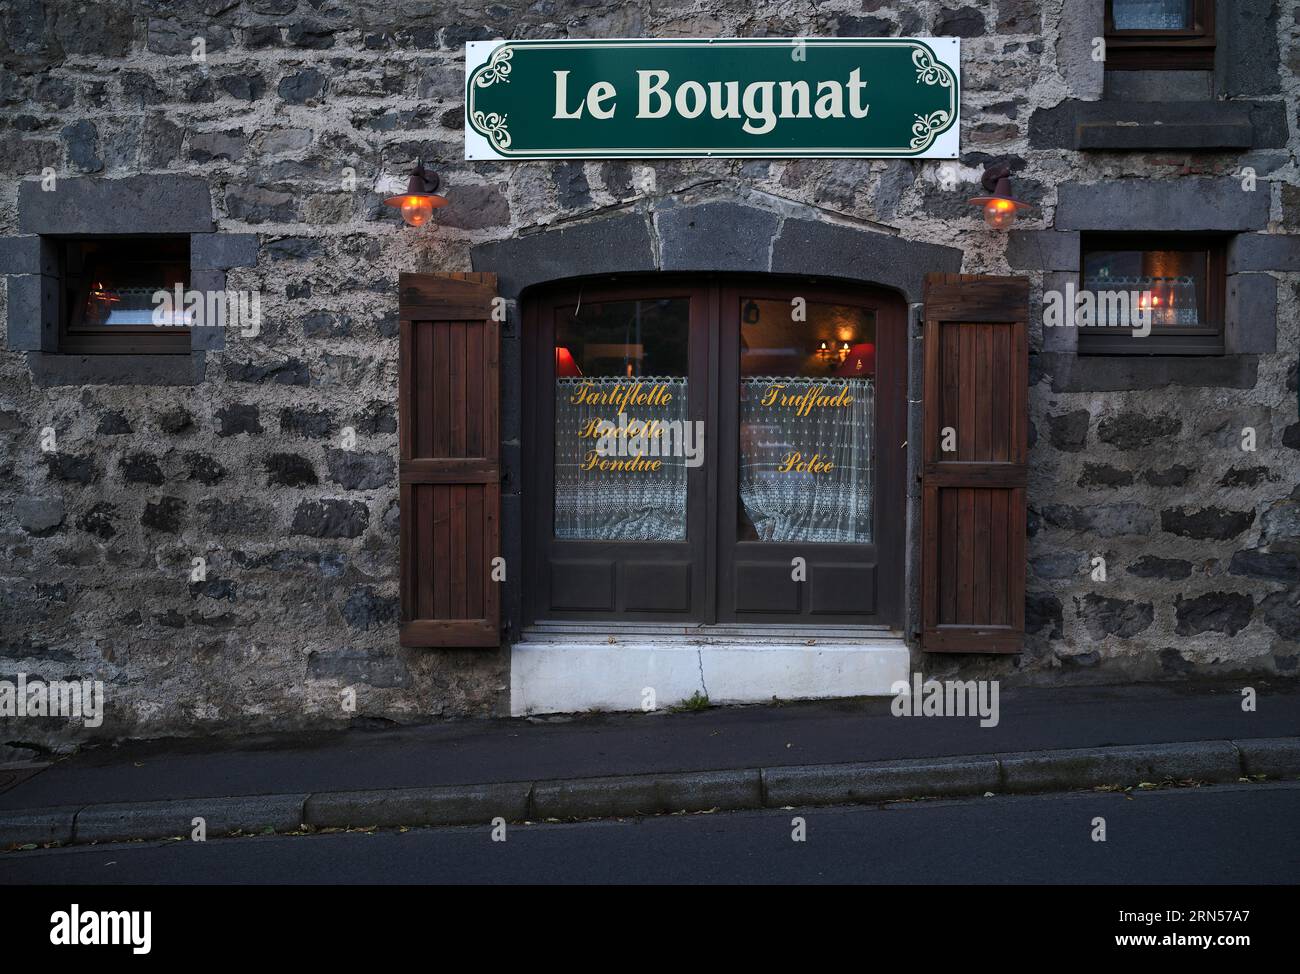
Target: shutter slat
pixel 973 500
pixel 449 465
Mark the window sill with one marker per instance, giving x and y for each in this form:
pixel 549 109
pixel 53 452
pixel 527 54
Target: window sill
pixel 1132 126
pixel 1124 373
pixel 1139 126
pixel 72 369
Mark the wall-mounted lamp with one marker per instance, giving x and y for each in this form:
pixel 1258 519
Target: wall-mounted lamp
pixel 418 202
pixel 1000 207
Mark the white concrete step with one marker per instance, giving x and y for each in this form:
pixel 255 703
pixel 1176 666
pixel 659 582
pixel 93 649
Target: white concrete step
pixel 570 676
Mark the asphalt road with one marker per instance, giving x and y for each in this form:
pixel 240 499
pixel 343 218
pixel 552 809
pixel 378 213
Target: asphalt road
pixel 1225 834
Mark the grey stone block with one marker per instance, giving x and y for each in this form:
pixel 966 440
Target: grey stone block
pixel 715 236
pixel 1277 757
pixel 449 805
pixel 31 321
pixel 1043 250
pixel 21 255
pixel 1080 24
pixel 222 251
pixel 1251 326
pixel 1246 56
pixel 1167 204
pixel 512 533
pixel 1093 767
pixel 1124 373
pixel 1059 339
pixel 37 826
pixel 39 515
pixel 646 794
pixel 1195 86
pixel 158 820
pixel 606 246
pixel 168 203
pixel 116 370
pixel 879 781
pixel 1141 126
pixel 512 387
pixel 828 249
pixel 1264 252
pixel 208 337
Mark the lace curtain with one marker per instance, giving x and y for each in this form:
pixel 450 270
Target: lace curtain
pixel 600 505
pixel 832 506
pixel 1150 14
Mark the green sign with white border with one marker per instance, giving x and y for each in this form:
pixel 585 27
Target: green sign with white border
pixel 868 97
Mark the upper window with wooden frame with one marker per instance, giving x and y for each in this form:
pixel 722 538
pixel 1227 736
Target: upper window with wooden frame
pixel 107 298
pixel 1153 294
pixel 1160 35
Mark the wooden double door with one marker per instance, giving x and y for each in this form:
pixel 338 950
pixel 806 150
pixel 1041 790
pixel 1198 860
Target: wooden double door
pixel 714 449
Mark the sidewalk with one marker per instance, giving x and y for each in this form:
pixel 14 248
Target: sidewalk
pixel 805 753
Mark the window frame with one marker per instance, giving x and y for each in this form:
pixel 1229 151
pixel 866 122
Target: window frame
pixel 1208 339
pixel 1183 49
pixel 77 338
pixel 712 558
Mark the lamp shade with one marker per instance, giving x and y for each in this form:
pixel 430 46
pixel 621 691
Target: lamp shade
pixel 859 362
pixel 565 366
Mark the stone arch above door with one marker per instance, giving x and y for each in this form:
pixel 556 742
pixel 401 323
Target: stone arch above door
pixel 715 235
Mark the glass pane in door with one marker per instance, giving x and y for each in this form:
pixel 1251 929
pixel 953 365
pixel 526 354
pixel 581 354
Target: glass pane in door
pixel 807 417
pixel 622 439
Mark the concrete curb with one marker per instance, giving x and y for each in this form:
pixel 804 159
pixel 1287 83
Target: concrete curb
pixel 453 805
pixel 1092 767
pixel 697 791
pixel 653 794
pixel 159 820
pixel 839 784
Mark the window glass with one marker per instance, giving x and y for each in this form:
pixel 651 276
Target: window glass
pixel 111 283
pixel 1152 14
pixel 1170 283
pixel 807 418
pixel 621 430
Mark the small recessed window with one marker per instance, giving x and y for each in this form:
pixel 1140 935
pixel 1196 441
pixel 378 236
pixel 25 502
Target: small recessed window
pixel 1152 295
pixel 108 298
pixel 1159 35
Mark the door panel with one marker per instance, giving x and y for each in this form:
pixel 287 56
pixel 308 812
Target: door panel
pixel 622 515
pixel 811 454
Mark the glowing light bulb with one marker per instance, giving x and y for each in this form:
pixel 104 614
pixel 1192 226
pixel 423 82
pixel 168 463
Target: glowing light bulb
pixel 999 214
pixel 416 210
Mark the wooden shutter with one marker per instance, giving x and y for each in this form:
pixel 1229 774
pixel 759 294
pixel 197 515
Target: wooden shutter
pixel 973 499
pixel 450 472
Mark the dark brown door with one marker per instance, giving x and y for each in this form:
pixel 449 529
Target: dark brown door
pixel 790 398
pixel 617 535
pixel 974 464
pixel 810 501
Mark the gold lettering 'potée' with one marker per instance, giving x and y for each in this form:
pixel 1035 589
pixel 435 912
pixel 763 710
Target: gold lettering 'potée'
pixel 815 397
pixel 795 463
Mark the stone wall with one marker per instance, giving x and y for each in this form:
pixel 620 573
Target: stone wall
pixel 304 115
